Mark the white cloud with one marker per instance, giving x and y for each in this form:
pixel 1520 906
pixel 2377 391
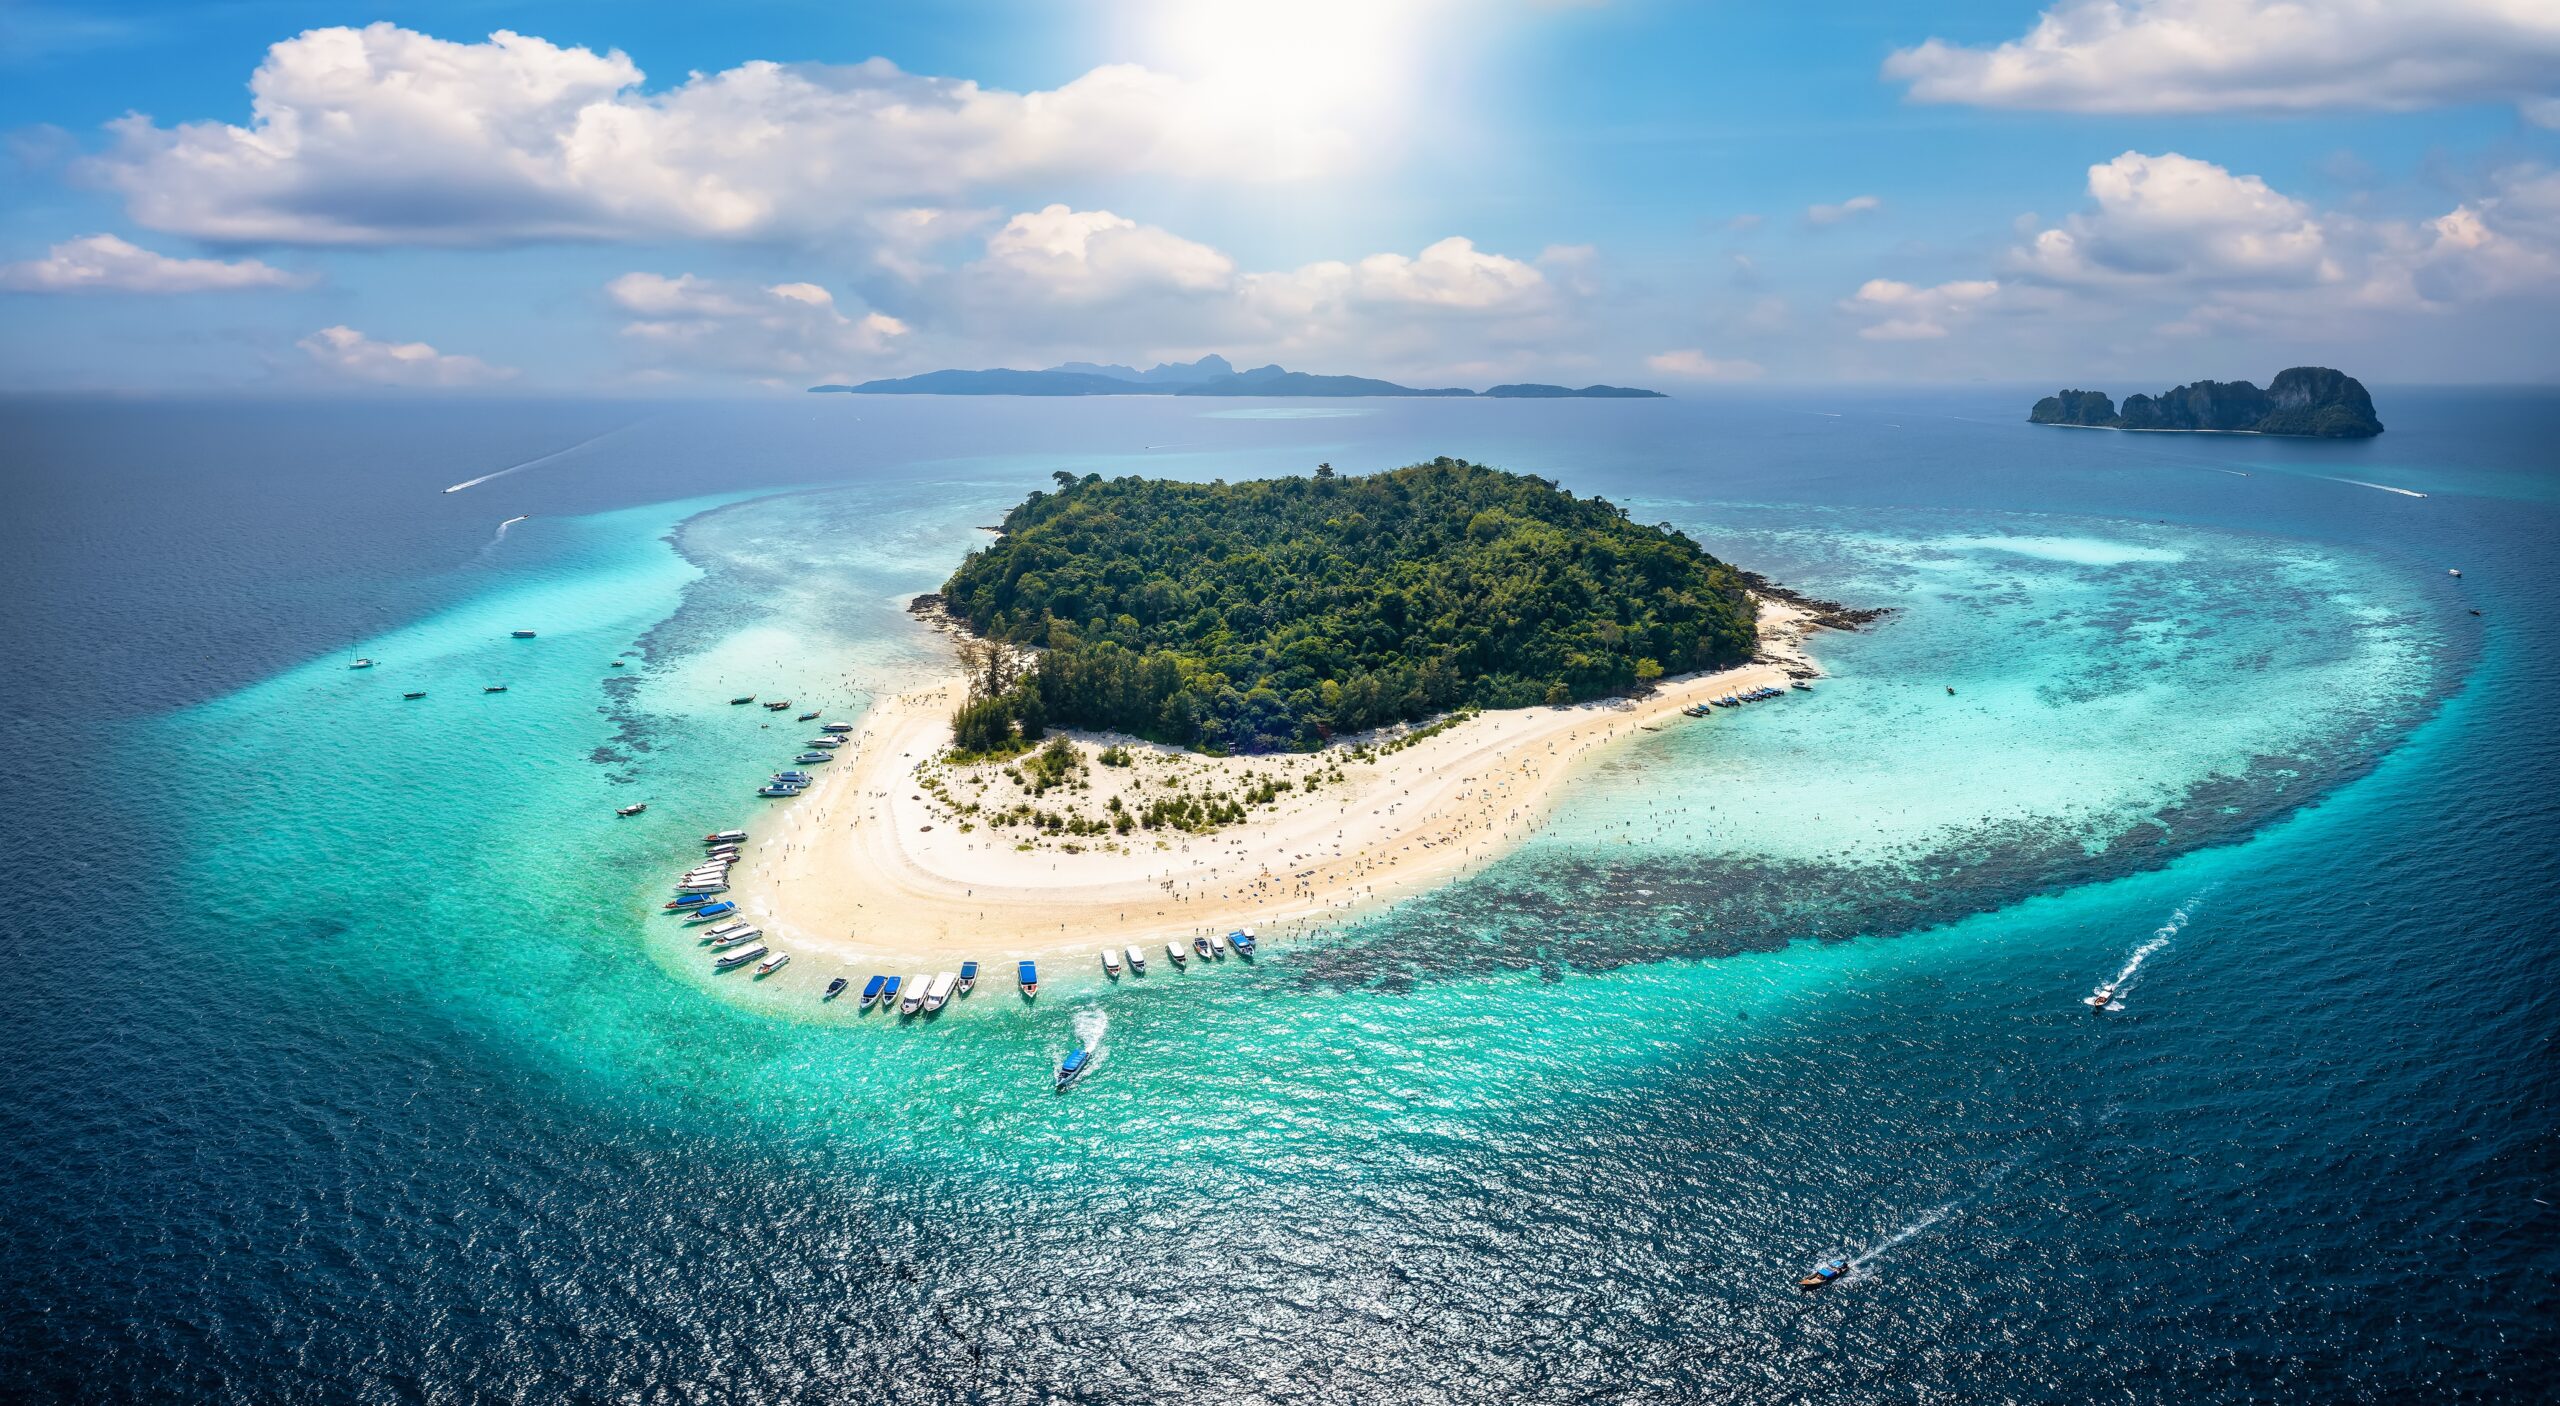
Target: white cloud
pixel 695 324
pixel 1061 255
pixel 1834 214
pixel 1698 366
pixel 1911 314
pixel 2168 56
pixel 2174 219
pixel 350 353
pixel 382 135
pixel 1449 276
pixel 102 263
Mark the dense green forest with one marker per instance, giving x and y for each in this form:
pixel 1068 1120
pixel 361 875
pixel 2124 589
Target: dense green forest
pixel 1278 613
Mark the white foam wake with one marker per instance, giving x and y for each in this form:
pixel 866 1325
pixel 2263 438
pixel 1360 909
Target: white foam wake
pixel 2387 488
pixel 1091 1025
pixel 2161 937
pixel 545 459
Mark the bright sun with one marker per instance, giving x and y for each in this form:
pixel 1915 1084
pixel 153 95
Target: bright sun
pixel 1310 69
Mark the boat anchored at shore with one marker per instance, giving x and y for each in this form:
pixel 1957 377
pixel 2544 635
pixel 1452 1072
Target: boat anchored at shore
pixel 1028 977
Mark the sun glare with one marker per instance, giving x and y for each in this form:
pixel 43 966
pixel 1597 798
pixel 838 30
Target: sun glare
pixel 1313 70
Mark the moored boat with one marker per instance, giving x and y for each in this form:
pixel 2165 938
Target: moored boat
pixel 1217 945
pixel 738 938
pixel 937 993
pixel 687 900
pixel 1242 940
pixel 1137 959
pixel 778 790
pixel 889 990
pixel 712 912
pixel 721 930
pixel 1110 961
pixel 493 688
pixel 772 964
pixel 725 837
pixel 521 634
pixel 779 704
pixel 871 992
pixel 810 716
pixel 1823 1273
pixel 738 957
pixel 742 698
pixel 835 988
pixel 968 977
pixel 1173 949
pixel 1201 946
pixel 913 1001
pixel 361 664
pixel 631 809
pixel 837 728
pixel 1028 977
pixel 421 693
pixel 811 758
pixel 826 742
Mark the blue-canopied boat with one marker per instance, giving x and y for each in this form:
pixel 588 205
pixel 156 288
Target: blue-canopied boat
pixel 711 911
pixel 1242 940
pixel 889 989
pixel 871 991
pixel 968 977
pixel 1824 1273
pixel 687 900
pixel 1073 1067
pixel 1029 976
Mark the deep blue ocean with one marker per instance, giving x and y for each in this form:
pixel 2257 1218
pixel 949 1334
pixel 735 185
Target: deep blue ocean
pixel 348 1064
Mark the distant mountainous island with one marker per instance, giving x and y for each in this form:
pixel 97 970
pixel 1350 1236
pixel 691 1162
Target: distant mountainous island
pixel 1210 375
pixel 2311 401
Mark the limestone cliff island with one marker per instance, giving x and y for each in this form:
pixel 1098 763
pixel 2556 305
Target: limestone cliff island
pixel 2308 401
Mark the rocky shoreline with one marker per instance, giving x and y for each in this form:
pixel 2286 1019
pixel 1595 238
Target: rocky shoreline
pixel 1828 614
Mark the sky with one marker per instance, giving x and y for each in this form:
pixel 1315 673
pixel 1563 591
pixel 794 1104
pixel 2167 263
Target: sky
pixel 273 196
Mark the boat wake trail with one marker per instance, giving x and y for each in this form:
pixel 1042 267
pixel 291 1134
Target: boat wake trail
pixel 2387 488
pixel 2160 938
pixel 1091 1026
pixel 492 544
pixel 551 457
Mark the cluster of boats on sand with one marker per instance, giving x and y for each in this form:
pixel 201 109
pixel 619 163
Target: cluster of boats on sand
pixel 734 941
pixel 1210 948
pixel 822 748
pixel 1753 695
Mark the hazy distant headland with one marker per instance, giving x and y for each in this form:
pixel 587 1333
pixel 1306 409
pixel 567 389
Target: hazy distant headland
pixel 1210 375
pixel 2312 401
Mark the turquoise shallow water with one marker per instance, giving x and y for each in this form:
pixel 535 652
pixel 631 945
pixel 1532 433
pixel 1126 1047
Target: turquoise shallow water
pixel 389 1085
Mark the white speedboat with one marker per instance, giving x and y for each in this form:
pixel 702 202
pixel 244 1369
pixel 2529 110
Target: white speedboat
pixel 772 964
pixel 1174 950
pixel 742 935
pixel 1137 959
pixel 1110 961
pixel 939 991
pixel 911 998
pixel 1217 944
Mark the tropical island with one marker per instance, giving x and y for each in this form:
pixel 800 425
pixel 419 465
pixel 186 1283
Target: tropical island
pixel 1209 376
pixel 1181 707
pixel 2309 401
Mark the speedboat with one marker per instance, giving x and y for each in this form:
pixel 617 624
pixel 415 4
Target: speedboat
pixel 1029 978
pixel 689 900
pixel 710 912
pixel 837 728
pixel 1110 961
pixel 1137 959
pixel 714 934
pixel 810 716
pixel 738 958
pixel 1173 949
pixel 777 790
pixel 889 990
pixel 913 1001
pixel 2101 998
pixel 1824 1273
pixel 828 742
pixel 968 977
pixel 1217 945
pixel 1073 1067
pixel 631 809
pixel 494 688
pixel 361 664
pixel 813 757
pixel 793 776
pixel 1801 686
pixel 725 837
pixel 835 988
pixel 521 634
pixel 1201 946
pixel 742 698
pixel 742 935
pixel 871 992
pixel 421 693
pixel 772 964
pixel 1243 940
pixel 938 993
